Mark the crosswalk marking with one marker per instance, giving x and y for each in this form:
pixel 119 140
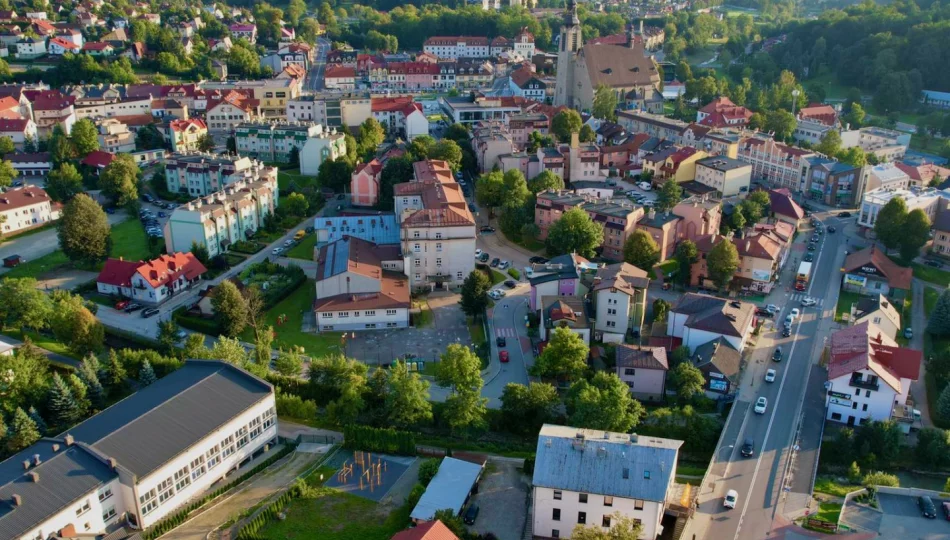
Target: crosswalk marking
pixel 505 332
pixel 797 298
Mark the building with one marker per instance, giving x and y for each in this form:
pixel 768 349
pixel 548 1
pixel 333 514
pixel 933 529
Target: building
pixel 722 113
pixel 24 208
pixel 115 137
pixel 619 219
pixel 940 100
pixel 620 296
pixel 203 174
pixel 644 370
pixel 720 363
pixel 272 143
pixel 927 199
pixel 784 208
pixel 360 286
pixel 437 227
pixel 457 47
pixel 151 282
pixel 377 228
pixel 245 31
pixel 871 272
pixel 941 232
pixel 674 164
pixel 886 144
pixel 340 78
pixel 491 142
pixel 30 47
pixel 221 218
pixel 401 116
pixel 700 216
pixel 835 183
pixel 583 476
pixel 810 131
pixel 923 174
pixel 563 312
pixel 140 460
pixel 560 276
pixel 470 110
pixel 51 107
pixel 37 165
pixel 59 46
pixel 761 257
pixel 663 227
pixel 449 489
pixel 654 125
pixel 430 530
pixel 878 311
pixel 184 135
pixel 630 73
pixel 728 176
pixel 700 318
pixel 778 164
pixel 888 176
pixel 869 375
pixel 230 111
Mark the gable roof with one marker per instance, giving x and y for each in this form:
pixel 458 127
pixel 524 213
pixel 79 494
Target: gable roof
pixel 448 489
pixel 624 277
pixel 714 314
pixel 635 356
pixel 898 277
pixel 781 202
pixel 869 305
pixel 865 346
pixel 617 66
pixel 720 354
pixel 431 530
pixel 98 158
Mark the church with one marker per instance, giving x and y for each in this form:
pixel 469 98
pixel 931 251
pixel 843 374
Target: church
pixel 625 69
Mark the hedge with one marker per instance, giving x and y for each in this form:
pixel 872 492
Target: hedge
pixel 386 440
pixel 182 515
pixel 513 272
pixel 247 246
pixel 198 324
pixel 248 531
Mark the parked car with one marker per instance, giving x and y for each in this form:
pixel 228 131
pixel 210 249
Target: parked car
pixel 809 257
pixel 486 229
pixel 484 256
pixel 773 308
pixel 761 312
pixel 150 312
pixel 133 307
pixel 794 313
pixel 814 238
pixel 844 214
pixel 809 301
pixel 478 253
pixel 777 354
pixel 122 304
pixel 831 230
pixel 511 284
pixel 787 330
pixel 770 375
pixel 528 272
pixel 760 405
pixel 537 259
pixel 748 448
pixel 731 498
pixel 12 260
pixel 645 186
pixel 503 357
pixel 927 508
pixel 289 242
pixel 503 265
pixel 908 332
pixel 495 262
pixel 812 247
pixel 471 513
pixel 500 341
pixel 935 264
pixel 277 250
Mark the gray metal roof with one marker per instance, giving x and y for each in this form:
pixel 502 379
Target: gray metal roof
pixel 152 426
pixel 604 463
pixel 448 489
pixel 65 476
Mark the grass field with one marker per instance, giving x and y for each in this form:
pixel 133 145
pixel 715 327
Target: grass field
pixel 304 249
pixel 130 242
pixel 40 266
pixel 297 304
pixel 285 178
pixel 931 274
pixel 43 341
pixel 930 300
pixel 827 485
pixel 829 512
pixel 845 299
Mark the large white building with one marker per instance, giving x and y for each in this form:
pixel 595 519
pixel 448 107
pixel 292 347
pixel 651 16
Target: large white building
pixel 620 295
pixel 25 207
pixel 151 282
pixel 699 318
pixel 437 230
pixel 272 142
pixel 927 199
pixel 457 47
pixel 218 220
pixel 141 459
pixel 201 174
pixel 583 477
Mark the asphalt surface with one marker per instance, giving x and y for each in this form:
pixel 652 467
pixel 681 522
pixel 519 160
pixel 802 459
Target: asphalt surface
pixel 508 319
pixel 315 75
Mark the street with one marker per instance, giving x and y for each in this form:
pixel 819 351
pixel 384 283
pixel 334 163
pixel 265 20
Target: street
pixel 508 320
pixel 314 80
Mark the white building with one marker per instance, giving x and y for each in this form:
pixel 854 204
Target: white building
pixel 563 312
pixel 275 142
pixel 139 460
pixel 869 375
pixel 202 174
pixel 457 47
pixel 401 115
pixel 18 129
pixel 31 165
pixel 889 176
pixel 620 295
pixel 925 199
pixel 583 477
pixel 700 318
pixel 25 207
pixel 222 218
pixel 115 137
pixel 886 144
pixel 726 175
pixel 437 228
pixel 151 282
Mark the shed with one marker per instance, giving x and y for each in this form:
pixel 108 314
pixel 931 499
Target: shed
pixel 450 488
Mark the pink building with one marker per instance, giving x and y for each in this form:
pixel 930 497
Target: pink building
pixel 701 217
pixel 619 220
pixel 364 183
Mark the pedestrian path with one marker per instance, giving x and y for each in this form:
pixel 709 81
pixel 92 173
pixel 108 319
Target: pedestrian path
pixel 798 297
pixel 506 332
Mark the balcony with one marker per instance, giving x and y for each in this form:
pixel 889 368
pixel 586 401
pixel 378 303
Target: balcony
pixel 866 384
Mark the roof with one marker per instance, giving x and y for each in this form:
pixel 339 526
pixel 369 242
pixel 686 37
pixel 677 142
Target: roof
pixel 431 530
pixel 23 157
pixel 714 314
pixel 561 267
pixel 942 220
pixel 168 268
pixel 117 272
pixel 18 125
pixel 22 196
pixel 184 125
pixel 897 276
pixel 353 254
pixel 865 346
pixel 604 463
pixel 781 203
pixel 448 489
pixel 454 40
pixel 825 114
pixel 564 308
pixel 722 163
pixel 720 354
pixel 636 356
pixel 96 46
pixel 98 158
pixel 63 43
pixel 869 305
pixel 624 277
pixel 759 246
pixel 147 429
pixel 333 72
pixel 379 229
pixel 618 66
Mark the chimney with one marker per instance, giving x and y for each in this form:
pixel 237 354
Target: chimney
pixel 34 477
pixel 633 438
pixel 26 464
pixel 652 213
pixel 575 139
pixel 112 463
pixel 68 439
pixel 17 500
pixel 602 451
pixel 56 448
pixel 36 459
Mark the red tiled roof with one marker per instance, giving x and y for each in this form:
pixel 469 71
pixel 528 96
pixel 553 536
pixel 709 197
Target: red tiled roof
pixel 182 125
pixel 335 72
pixel 780 202
pixel 117 272
pixel 385 104
pixel 20 197
pixel 13 124
pixel 898 277
pixel 864 346
pixel 49 100
pixel 99 159
pixel 431 530
pixel 63 43
pixel 613 39
pixel 96 46
pixel 826 114
pixel 167 268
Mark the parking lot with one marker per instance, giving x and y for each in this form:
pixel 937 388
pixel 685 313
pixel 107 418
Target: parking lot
pixel 899 517
pixel 502 499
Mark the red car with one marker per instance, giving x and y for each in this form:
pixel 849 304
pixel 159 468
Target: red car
pixel 503 356
pixel 122 305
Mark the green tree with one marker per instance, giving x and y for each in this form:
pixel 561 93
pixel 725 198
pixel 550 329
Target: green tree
pixel 229 308
pixel 37 421
pixel 752 211
pixel 371 135
pixel 889 227
pixel 296 205
pixel 147 374
pixel 346 409
pixel 168 336
pixel 119 180
pixel 22 305
pixel 474 297
pixel 206 143
pixel 668 196
pixel 603 402
pixel 524 409
pixel 587 134
pixel 407 401
pixel 230 350
pixel 22 432
pixel 830 143
pixel 460 369
pixel 722 263
pixel 854 156
pixel 454 522
pixel 60 147
pixel 545 181
pixel 605 103
pixel 295 10
pixel 564 123
pixel 879 478
pixel 882 440
pixel 933 448
pixel 115 371
pixel 288 363
pixel 490 190
pixel 687 380
pixel 564 358
pixel 641 250
pixel 686 255
pixel 61 404
pixel 194 347
pixel 64 183
pixel 85 137
pixel 6 146
pixel 262 345
pixel 854 473
pixel 621 528
pixel 915 234
pixel 428 469
pixel 84 231
pixel 574 232
pixel 938 323
pixel 661 308
pixel 449 151
pixel 516 189
pixel 943 406
pixel 77 327
pixel 855 116
pixel 30 380
pixel 7 173
pixel 335 174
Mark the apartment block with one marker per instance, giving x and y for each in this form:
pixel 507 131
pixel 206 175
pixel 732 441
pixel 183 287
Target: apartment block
pixel 619 219
pixel 202 174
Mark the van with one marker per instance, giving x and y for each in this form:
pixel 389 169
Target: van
pixel 300 234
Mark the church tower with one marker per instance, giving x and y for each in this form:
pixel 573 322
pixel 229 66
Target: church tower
pixel 570 43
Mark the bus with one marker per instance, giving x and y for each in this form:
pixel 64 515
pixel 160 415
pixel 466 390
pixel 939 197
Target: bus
pixel 804 273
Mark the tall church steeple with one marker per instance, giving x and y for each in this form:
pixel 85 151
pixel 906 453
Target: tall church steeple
pixel 570 43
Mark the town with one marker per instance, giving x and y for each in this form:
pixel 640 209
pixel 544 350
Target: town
pixel 485 270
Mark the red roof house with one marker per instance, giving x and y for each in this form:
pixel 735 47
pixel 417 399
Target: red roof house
pixel 431 530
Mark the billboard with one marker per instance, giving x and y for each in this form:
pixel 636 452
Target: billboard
pixel 857 281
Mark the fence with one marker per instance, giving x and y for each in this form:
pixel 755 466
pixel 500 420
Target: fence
pixel 318 439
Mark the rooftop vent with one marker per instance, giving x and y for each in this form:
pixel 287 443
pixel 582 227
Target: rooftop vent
pixel 17 500
pixel 34 477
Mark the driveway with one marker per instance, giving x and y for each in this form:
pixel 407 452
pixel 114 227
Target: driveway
pixel 901 519
pixel 502 500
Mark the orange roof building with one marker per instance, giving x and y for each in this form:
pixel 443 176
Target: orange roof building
pixel 151 282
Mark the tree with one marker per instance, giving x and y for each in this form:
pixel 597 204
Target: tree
pixel 85 137
pixel 854 156
pixel 119 180
pixel 347 408
pixel 621 528
pixel 206 143
pixel 686 255
pixel 61 149
pixel 428 469
pixel 661 308
pixel 545 181
pixel 329 375
pixel 890 223
pixel 89 374
pixel 943 406
pixel 371 135
pixel 6 146
pixel 84 231
pixel 335 174
pixel 22 305
pixel 854 473
pixel 448 518
pixel 830 143
pixel 61 404
pixel 288 363
pixel 7 173
pixel 915 234
pixel 752 211
pixel 605 103
pixel 115 371
pixel 230 350
pixel 938 323
pixel 688 381
pixel 407 402
pixel 762 199
pixel 933 448
pixel 194 347
pixel 855 116
pixel 26 377
pixel 722 263
pixel 449 151
pixel 229 308
pixel 64 183
pixel 295 10
pixel 490 189
pixel 474 298
pixel 37 421
pixel 879 478
pixel 587 134
pixel 574 232
pixel 565 123
pixel 22 432
pixel 757 121
pixel 603 402
pixel 524 409
pixel 565 357
pixel 641 250
pixel 516 190
pixel 420 147
pixel 460 369
pixel 668 196
pixel 77 327
pixel 146 373
pixel 296 205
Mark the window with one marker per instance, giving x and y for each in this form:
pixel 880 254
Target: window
pixel 854 406
pixel 370 313
pixel 343 314
pixel 605 522
pixel 556 514
pixel 105 494
pixel 83 508
pixel 438 262
pixel 108 513
pixel 415 234
pixel 557 495
pixel 638 504
pixel 646 474
pixel 608 501
pixel 582 498
pixel 326 315
pixel 582 518
pixel 390 312
pixel 864 407
pixel 438 246
pixel 555 533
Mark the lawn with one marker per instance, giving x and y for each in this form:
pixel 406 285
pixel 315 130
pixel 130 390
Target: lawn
pixel 43 341
pixel 304 248
pixel 827 485
pixel 40 266
pixel 495 276
pixel 130 242
pixel 829 512
pixel 285 178
pixel 295 306
pixel 931 274
pixel 667 266
pixel 425 317
pixel 930 300
pixel 845 299
pixel 690 470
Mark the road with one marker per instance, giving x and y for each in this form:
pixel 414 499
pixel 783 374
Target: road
pixel 314 80
pixel 760 480
pixel 508 320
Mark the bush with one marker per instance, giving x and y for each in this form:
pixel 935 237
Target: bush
pixel 417 491
pixel 295 407
pixel 529 465
pixel 513 272
pixel 198 324
pixel 246 246
pixel 428 470
pixel 854 473
pixel 879 478
pixel 390 441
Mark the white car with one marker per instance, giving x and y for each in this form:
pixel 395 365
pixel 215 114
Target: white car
pixel 277 250
pixel 645 186
pixel 731 498
pixel 503 265
pixel 760 405
pixel 478 253
pixel 772 308
pixel 528 272
pixel 794 313
pixel 770 375
pixel 289 242
pixel 808 301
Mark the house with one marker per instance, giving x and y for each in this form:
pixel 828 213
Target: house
pixel 583 476
pixel 869 375
pixel 59 46
pixel 728 176
pixel 889 176
pixel 151 282
pixel 924 174
pixel 618 218
pixel 560 276
pixel 38 164
pixel 941 232
pixel 451 487
pixel 720 362
pixel 871 272
pixel 620 296
pixel 700 318
pixel 401 116
pixel 365 183
pixel 51 107
pixel 818 112
pixel 644 370
pixel 722 112
pixel 30 47
pixel 886 144
pixel 761 256
pixel 168 108
pixel 340 78
pixel 24 208
pixel 663 227
pixel 700 216
pixel 563 312
pixel 115 137
pixel 19 130
pixel 203 174
pixel 230 110
pixel 835 183
pixel 116 467
pixel 878 311
pixel 98 48
pixel 927 199
pixel 185 134
pixel 430 530
pixel 245 31
pixel 98 160
pixel 784 208
pixel 525 83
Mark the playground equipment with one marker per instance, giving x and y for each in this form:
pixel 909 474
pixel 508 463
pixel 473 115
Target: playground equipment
pixel 370 474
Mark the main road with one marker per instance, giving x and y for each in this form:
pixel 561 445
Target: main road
pixel 314 80
pixel 762 481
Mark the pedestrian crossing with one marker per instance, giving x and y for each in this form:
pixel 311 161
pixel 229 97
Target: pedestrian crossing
pixel 799 296
pixel 505 332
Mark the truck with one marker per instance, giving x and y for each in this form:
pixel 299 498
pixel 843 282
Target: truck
pixel 804 274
